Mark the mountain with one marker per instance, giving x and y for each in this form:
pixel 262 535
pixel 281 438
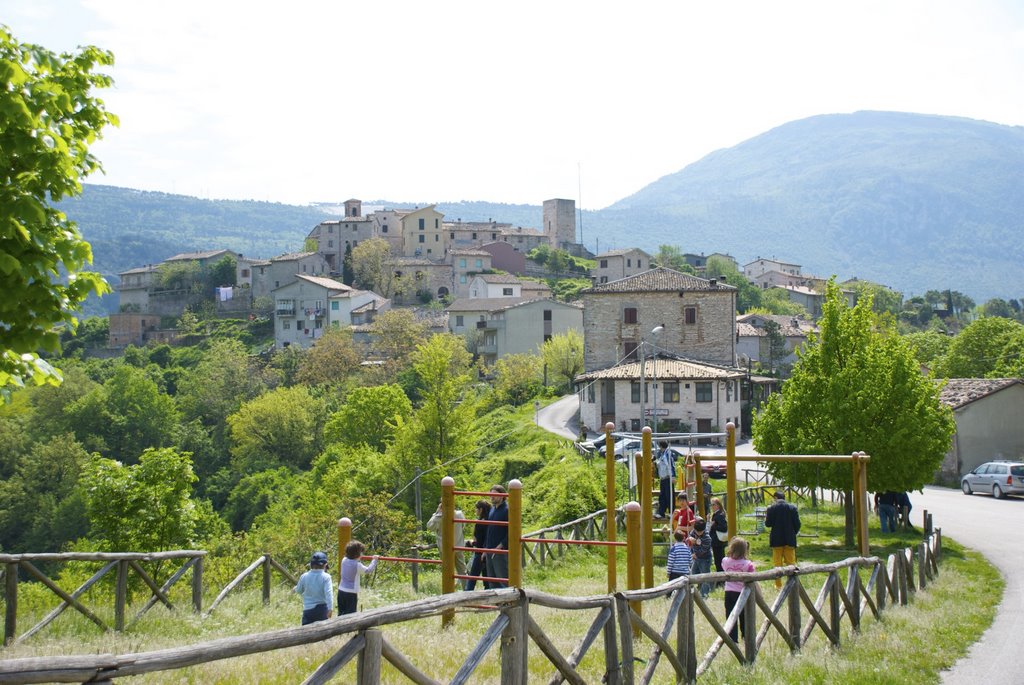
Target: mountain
pixel 913 201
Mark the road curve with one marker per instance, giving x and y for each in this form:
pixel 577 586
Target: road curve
pixel 993 527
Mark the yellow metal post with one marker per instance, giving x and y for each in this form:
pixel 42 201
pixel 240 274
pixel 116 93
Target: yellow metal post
pixel 698 484
pixel 609 485
pixel 730 476
pixel 344 537
pixel 634 542
pixel 647 515
pixel 515 533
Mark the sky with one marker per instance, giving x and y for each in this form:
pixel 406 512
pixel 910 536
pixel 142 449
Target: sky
pixel 503 102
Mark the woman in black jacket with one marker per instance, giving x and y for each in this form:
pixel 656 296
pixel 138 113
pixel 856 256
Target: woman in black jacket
pixel 719 530
pixel 476 568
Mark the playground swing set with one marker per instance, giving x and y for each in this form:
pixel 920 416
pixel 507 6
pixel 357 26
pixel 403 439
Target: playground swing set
pixel 639 516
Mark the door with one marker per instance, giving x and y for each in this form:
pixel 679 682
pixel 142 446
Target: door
pixel 607 402
pixel 704 426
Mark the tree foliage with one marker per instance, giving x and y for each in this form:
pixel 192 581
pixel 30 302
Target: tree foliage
pixel 856 388
pixel 48 119
pixel 372 268
pixel 563 355
pixel 369 417
pixel 517 378
pixel 331 361
pixel 991 347
pixel 279 428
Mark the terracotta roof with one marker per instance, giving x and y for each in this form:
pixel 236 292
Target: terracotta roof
pixel 619 253
pixel 328 283
pixel 658 280
pixel 195 255
pixel 469 252
pixel 483 304
pixel 497 278
pixel 748 331
pixel 959 392
pixel 291 256
pixel 140 270
pixel 666 368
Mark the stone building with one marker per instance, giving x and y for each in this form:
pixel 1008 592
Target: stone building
pixel 499 326
pixel 697 316
pixel 616 264
pixel 989 415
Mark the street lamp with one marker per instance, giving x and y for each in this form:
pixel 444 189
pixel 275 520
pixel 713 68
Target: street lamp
pixel 643 381
pixel 654 374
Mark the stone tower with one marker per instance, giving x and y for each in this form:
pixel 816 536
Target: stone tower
pixel 353 208
pixel 560 222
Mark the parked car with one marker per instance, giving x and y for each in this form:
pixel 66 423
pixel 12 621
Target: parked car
pixel 1000 478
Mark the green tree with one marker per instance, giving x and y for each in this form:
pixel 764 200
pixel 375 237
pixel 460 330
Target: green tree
pixel 928 345
pixel 776 301
pixel 280 428
pixel 369 417
pixel 396 335
pixel 748 295
pixel 776 344
pixel 348 274
pixel 563 355
pixel 989 347
pixel 333 360
pixel 671 257
pixel 221 273
pixel 48 119
pixel 517 378
pixel 224 378
pixel 145 507
pixel 883 299
pixel 255 493
pixel 856 388
pixel 998 307
pixel 372 267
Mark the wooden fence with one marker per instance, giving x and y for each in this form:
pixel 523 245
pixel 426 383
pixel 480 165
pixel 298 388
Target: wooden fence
pixel 794 617
pixel 124 562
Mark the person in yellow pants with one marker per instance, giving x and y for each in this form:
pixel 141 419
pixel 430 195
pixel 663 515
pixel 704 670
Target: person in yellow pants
pixel 784 521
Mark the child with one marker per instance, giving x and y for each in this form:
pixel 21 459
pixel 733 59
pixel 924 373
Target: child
pixel 700 541
pixel 679 556
pixel 736 562
pixel 317 590
pixel 683 516
pixel 351 570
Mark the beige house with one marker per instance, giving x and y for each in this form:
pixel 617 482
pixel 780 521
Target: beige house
pixel 752 340
pixel 301 311
pixel 761 266
pixel 133 290
pixel 509 325
pixel 334 238
pixel 697 318
pixel 684 395
pixel 495 285
pixel 616 264
pixel 287 267
pixel 422 233
pixel 466 263
pixel 989 415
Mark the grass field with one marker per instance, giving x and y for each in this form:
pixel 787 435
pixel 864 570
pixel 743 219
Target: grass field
pixel 911 644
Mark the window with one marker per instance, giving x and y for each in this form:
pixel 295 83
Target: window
pixel 474 236
pixel 629 315
pixel 330 243
pixel 494 236
pixel 634 392
pixel 384 228
pixel 423 238
pixel 629 350
pixel 462 263
pixel 604 279
pixel 590 393
pixel 479 263
pixel 547 315
pixel 452 235
pixel 435 223
pixel 437 237
pixel 728 391
pixel 604 263
pixel 330 229
pixel 245 273
pixel 629 262
pixel 634 425
pixel 703 392
pixel 506 292
pixel 462 278
pixel 286 324
pixel 690 315
pixel 335 306
pixel 671 392
pixel 638 265
pixel 459 321
pixel 423 224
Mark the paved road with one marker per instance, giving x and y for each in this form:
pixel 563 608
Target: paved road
pixel 993 527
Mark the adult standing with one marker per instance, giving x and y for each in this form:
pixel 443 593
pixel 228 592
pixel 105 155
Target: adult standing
pixel 434 526
pixel 719 532
pixel 886 503
pixel 497 535
pixel 666 464
pixel 784 521
pixel 479 541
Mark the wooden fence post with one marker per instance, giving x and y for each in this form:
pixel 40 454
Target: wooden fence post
pixel 833 606
pixel 514 643
pixel 266 579
pixel 368 664
pixel 197 585
pixel 11 599
pixel 922 564
pixel 634 553
pixel 625 639
pixel 515 533
pixel 344 537
pixel 120 594
pixel 793 605
pixel 750 629
pixel 901 573
pixel 686 639
pixel 611 650
pixel 446 544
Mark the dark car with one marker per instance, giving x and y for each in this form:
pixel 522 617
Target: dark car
pixel 998 478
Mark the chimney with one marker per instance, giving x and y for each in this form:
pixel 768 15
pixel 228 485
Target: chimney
pixel 714 282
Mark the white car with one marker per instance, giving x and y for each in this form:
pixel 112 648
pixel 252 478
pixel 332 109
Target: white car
pixel 998 478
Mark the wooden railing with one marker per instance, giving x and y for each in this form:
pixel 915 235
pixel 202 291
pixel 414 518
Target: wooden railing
pixel 124 562
pixel 793 616
pixel 268 564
